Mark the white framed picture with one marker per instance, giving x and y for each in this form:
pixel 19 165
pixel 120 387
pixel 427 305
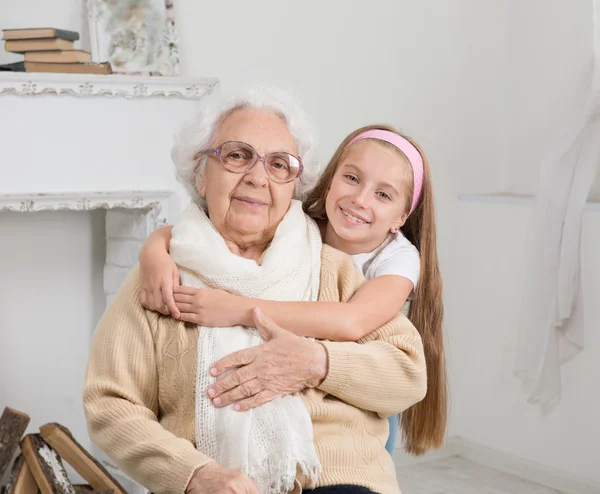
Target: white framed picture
pixel 137 37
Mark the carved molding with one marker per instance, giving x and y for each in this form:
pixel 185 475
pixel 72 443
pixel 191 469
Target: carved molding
pixel 145 201
pixel 109 86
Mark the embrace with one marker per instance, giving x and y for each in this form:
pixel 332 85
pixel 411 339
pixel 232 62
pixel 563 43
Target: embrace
pixel 272 387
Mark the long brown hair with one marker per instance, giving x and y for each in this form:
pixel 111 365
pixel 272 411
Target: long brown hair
pixel 423 424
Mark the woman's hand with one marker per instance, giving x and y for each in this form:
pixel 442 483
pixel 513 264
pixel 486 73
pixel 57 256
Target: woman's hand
pixel 158 276
pixel 214 479
pixel 208 307
pixel 284 365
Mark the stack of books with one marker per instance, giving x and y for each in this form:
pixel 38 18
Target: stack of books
pixel 49 50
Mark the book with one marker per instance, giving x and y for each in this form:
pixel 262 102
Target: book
pixel 13 67
pixel 39 32
pixel 58 56
pixel 69 68
pixel 21 46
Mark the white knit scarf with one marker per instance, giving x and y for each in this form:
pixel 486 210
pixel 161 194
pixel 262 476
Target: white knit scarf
pixel 271 441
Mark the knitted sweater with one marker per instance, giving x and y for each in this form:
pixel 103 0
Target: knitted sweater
pixel 140 391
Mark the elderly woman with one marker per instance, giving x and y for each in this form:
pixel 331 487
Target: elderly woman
pixel 309 414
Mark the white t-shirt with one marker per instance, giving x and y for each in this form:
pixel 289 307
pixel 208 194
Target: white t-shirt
pixel 395 256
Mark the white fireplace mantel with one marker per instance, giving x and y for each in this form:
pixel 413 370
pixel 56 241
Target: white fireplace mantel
pixel 106 140
pixel 110 86
pixel 85 201
pixel 130 217
pixel 81 143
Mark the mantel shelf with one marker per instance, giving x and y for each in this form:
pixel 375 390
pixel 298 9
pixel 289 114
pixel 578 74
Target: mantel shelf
pixel 111 86
pixel 515 200
pixel 83 201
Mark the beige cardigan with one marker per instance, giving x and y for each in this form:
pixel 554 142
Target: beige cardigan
pixel 140 391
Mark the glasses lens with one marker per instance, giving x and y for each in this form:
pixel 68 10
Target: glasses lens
pixel 237 156
pixel 282 167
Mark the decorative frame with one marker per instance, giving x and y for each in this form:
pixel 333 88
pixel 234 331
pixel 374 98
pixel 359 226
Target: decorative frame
pixel 136 36
pixel 109 86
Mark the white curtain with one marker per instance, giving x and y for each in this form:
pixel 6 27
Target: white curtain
pixel 551 330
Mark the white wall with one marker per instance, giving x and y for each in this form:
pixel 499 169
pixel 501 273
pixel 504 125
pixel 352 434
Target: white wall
pixel 480 85
pixel 490 408
pixel 546 47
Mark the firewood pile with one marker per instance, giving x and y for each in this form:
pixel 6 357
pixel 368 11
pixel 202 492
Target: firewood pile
pixel 39 467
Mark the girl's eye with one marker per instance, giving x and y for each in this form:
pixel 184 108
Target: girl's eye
pixel 352 178
pixel 385 196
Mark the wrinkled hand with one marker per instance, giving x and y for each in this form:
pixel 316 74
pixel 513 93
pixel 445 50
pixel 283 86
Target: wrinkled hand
pixel 284 365
pixel 158 276
pixel 214 479
pixel 207 306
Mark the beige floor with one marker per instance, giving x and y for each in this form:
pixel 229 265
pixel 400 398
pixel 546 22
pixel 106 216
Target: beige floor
pixel 457 475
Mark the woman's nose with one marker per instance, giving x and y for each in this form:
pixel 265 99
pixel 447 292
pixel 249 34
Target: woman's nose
pixel 257 175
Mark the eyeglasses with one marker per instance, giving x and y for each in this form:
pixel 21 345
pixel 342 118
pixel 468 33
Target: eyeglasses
pixel 239 157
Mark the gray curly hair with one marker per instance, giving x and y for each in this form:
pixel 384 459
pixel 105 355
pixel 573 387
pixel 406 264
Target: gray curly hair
pixel 197 135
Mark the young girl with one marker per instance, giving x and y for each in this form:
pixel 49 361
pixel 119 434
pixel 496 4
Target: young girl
pixel 374 201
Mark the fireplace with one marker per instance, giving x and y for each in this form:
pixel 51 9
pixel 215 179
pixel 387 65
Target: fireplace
pixel 84 159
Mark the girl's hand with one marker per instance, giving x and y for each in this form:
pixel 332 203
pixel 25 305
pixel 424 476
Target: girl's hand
pixel 159 275
pixel 208 307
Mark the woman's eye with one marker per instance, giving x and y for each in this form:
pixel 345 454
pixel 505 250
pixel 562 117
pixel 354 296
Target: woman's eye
pixel 236 156
pixel 383 195
pixel 352 178
pixel 278 165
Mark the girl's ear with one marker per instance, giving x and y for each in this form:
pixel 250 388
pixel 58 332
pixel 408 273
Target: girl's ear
pixel 399 223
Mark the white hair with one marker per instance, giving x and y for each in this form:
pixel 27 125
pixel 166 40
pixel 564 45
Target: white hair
pixel 198 134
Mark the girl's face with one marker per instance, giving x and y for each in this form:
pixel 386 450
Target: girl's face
pixel 366 199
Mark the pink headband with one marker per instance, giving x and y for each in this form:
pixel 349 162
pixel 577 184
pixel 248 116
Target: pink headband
pixel 411 152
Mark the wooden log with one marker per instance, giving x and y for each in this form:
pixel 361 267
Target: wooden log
pixel 63 442
pixel 12 427
pixel 82 488
pixel 46 466
pixel 21 480
pixel 88 489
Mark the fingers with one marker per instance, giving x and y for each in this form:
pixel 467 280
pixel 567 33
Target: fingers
pixel 239 393
pixel 175 278
pixel 189 317
pixel 143 298
pixel 183 297
pixel 234 360
pixel 186 290
pixel 169 301
pixel 157 303
pixel 230 382
pixel 186 308
pixel 255 401
pixel 265 325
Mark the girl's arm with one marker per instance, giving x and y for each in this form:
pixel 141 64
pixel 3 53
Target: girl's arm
pixel 374 304
pixel 158 273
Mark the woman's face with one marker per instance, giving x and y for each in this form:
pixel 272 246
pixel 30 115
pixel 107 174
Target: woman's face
pixel 247 208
